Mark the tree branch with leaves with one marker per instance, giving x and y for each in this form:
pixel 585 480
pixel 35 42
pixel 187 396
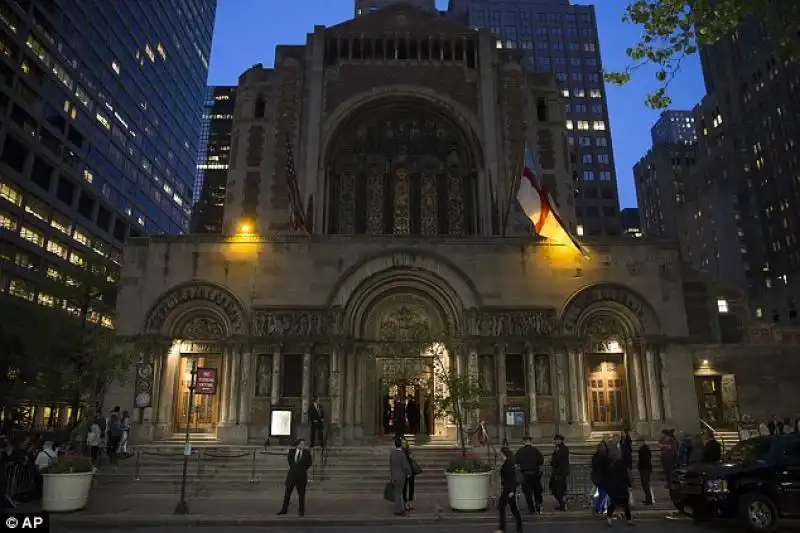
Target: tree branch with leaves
pixel 673 30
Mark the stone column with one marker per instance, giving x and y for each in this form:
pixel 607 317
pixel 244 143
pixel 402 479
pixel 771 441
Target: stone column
pixel 360 384
pixel 560 364
pixel 652 383
pixel 574 407
pixel 472 370
pixel 305 400
pixel 634 354
pixel 581 370
pixel 245 384
pixel 275 393
pixel 166 395
pixel 336 385
pixel 349 384
pixel 666 395
pixel 225 378
pixel 530 371
pixel 500 365
pixel 233 390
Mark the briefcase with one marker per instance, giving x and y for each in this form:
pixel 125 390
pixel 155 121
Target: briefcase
pixel 388 492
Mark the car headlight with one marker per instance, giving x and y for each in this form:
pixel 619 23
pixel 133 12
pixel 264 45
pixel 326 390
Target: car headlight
pixel 717 485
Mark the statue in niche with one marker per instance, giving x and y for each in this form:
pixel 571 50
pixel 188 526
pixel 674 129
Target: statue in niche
pixel 542 368
pixel 264 385
pixel 320 387
pixel 487 373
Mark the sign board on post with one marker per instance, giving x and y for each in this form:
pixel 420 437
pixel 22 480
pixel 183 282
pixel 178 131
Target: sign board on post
pixel 206 381
pixel 515 416
pixel 280 422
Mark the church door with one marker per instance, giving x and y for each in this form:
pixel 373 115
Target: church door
pixel 203 417
pixel 607 396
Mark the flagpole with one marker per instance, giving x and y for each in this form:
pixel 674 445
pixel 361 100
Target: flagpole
pixel 514 185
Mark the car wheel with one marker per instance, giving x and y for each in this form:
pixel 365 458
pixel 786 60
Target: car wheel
pixel 758 513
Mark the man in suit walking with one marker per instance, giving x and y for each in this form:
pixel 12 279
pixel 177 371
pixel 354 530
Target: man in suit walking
pixel 297 477
pixel 316 416
pixel 399 471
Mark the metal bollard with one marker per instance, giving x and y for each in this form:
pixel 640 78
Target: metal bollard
pixel 137 467
pixel 253 469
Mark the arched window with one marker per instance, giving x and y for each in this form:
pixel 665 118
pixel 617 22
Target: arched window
pixel 401 169
pixel 260 107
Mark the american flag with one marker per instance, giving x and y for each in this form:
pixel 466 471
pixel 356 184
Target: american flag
pixel 297 218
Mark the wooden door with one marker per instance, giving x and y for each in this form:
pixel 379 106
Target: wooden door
pixel 203 418
pixel 607 396
pixel 709 395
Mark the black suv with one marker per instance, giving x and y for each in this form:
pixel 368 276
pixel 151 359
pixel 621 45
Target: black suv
pixel 757 482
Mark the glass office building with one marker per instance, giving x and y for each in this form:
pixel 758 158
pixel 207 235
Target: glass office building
pixel 562 38
pixel 100 104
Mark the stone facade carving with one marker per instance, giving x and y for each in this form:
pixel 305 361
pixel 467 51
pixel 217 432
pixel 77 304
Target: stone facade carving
pixel 309 323
pixel 486 374
pixel 198 292
pixel 516 323
pixel 321 375
pixel 542 372
pixel 603 327
pixel 201 347
pixel 201 328
pixel 609 293
pixel 264 378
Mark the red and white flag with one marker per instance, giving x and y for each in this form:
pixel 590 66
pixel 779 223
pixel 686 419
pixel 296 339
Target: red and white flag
pixel 539 206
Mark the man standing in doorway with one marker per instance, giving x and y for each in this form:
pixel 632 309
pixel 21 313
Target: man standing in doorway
pixel 530 461
pixel 316 416
pixel 297 477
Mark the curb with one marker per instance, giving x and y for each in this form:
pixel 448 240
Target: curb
pixel 106 522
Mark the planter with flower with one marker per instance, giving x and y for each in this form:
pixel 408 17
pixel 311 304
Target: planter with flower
pixel 457 395
pixel 67 484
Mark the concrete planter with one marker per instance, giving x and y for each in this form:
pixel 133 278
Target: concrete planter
pixel 66 492
pixel 468 492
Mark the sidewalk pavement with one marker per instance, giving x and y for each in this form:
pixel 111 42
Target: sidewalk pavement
pixel 110 511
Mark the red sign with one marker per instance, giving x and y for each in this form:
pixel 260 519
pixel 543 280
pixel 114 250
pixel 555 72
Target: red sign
pixel 206 381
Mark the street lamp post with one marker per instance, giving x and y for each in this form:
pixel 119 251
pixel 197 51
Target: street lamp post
pixel 183 507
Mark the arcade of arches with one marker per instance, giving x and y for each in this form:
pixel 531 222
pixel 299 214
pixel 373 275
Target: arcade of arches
pixel 588 367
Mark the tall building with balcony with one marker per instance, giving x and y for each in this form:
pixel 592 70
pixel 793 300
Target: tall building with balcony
pixel 100 104
pixel 674 127
pixel 561 38
pixel 213 159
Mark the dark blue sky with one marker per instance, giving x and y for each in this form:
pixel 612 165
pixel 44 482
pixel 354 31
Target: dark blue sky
pixel 247 32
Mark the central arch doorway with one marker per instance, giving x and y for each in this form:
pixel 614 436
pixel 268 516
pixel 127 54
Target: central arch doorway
pixel 406 390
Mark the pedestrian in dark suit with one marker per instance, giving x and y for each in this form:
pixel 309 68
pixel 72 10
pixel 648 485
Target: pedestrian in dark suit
pixel 619 486
pixel 316 417
pixel 399 471
pixel 645 466
pixel 530 461
pixel 712 450
pixel 508 496
pixel 297 477
pixel 559 463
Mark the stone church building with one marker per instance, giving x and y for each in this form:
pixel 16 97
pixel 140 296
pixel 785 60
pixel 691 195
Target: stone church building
pixel 406 131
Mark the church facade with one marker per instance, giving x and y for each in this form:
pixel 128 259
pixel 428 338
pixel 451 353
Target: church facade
pixel 406 131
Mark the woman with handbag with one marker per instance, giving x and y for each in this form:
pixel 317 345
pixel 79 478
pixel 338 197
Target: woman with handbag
pixel 408 487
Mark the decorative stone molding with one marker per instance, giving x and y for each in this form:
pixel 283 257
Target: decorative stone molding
pixel 200 328
pixel 298 323
pixel 204 295
pixel 515 322
pixel 631 309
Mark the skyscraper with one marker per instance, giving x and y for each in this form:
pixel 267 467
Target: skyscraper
pixel 748 167
pixel 674 127
pixel 562 38
pixel 213 159
pixel 100 104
